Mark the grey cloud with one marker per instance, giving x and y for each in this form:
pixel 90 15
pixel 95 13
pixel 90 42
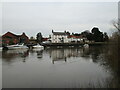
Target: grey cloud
pixel 42 17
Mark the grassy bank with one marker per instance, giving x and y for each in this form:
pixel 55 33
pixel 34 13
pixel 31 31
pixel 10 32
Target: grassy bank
pixel 113 58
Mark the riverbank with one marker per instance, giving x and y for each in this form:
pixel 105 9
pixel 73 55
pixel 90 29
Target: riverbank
pixel 74 44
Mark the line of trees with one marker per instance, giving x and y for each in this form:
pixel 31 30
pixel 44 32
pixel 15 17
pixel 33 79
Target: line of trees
pixel 96 35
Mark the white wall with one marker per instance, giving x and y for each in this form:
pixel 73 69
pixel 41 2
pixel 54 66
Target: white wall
pixel 55 38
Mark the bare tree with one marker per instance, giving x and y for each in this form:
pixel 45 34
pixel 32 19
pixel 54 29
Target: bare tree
pixel 116 24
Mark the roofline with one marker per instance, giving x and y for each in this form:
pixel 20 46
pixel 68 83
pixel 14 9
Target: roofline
pixel 13 34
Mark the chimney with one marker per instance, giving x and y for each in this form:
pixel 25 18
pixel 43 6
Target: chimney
pixel 52 31
pixel 23 33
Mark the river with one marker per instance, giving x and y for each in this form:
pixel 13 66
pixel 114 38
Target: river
pixel 74 67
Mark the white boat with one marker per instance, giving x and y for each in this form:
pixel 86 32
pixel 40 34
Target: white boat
pixel 38 47
pixel 1 48
pixel 17 46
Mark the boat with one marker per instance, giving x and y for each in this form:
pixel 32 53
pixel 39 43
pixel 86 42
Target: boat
pixel 1 48
pixel 17 46
pixel 38 46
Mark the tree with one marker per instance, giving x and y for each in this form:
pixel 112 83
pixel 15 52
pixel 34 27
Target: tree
pixel 97 35
pixel 105 37
pixel 116 24
pixel 88 35
pixel 39 37
pixel 32 38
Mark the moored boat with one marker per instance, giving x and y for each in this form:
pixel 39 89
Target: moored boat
pixel 17 46
pixel 1 48
pixel 38 46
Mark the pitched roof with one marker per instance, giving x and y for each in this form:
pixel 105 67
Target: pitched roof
pixel 73 36
pixel 13 34
pixel 59 33
pixel 9 33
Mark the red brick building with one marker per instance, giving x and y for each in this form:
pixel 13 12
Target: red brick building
pixel 10 38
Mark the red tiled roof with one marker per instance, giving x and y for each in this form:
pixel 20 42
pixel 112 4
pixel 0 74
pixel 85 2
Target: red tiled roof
pixel 72 36
pixel 45 39
pixel 9 33
pixel 14 34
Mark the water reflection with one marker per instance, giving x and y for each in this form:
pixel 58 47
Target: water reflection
pixel 84 67
pixel 61 54
pixel 40 54
pixel 11 55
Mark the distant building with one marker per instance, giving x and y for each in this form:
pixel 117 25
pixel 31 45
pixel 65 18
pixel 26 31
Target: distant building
pixel 59 37
pixel 32 41
pixel 10 38
pixel 65 37
pixel 74 38
pixel 45 39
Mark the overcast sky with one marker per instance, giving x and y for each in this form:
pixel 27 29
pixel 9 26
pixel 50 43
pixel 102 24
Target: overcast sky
pixel 32 18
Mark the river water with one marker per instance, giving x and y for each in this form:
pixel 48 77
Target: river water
pixel 76 67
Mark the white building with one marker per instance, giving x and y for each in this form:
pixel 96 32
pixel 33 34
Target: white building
pixel 59 37
pixel 76 39
pixel 64 37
